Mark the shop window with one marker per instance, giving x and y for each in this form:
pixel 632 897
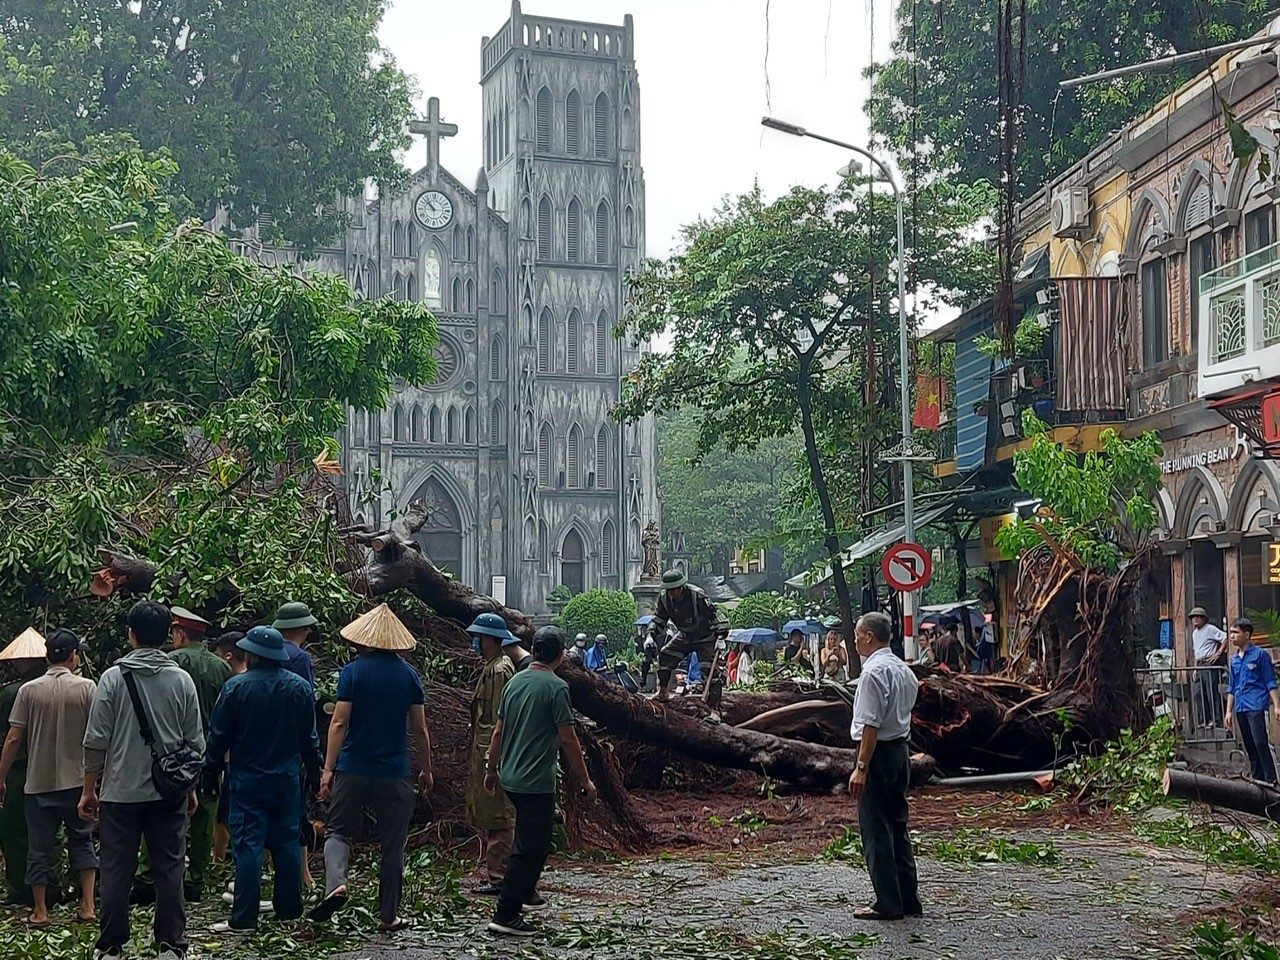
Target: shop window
pixel 1207 585
pixel 1259 229
pixel 1155 314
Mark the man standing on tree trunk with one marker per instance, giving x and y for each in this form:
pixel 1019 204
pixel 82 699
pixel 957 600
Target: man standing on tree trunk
pixel 491 814
pixel 700 628
pixel 1253 683
pixel 535 720
pixel 881 725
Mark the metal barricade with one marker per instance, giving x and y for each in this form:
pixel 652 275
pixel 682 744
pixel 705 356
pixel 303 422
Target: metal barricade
pixel 1195 697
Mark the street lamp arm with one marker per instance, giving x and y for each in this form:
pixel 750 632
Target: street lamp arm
pixel 796 130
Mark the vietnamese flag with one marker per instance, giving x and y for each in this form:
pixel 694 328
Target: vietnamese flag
pixel 931 398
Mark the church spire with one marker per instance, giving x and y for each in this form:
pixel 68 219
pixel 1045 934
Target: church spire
pixel 434 130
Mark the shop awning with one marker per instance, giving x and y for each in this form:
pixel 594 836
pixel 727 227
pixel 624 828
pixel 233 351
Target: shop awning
pixel 883 538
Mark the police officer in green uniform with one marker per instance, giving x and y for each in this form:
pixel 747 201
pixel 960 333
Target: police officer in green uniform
pixel 210 672
pixel 702 630
pixel 23 659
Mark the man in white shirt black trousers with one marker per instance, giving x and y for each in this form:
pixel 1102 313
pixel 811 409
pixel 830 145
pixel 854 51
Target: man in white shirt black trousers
pixel 881 725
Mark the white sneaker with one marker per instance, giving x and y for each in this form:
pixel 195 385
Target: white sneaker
pixel 169 953
pixel 115 953
pixel 264 906
pixel 226 929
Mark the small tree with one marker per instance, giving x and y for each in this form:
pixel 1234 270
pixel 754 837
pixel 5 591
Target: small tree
pixel 611 612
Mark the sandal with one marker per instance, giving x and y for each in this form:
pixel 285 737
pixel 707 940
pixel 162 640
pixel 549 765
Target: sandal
pixel 30 921
pixel 330 905
pixel 81 918
pixel 399 923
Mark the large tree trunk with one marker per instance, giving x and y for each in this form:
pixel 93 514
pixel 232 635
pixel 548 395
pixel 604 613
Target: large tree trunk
pixel 1245 795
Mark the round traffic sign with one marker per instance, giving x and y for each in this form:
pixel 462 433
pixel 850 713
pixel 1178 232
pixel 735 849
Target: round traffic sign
pixel 907 566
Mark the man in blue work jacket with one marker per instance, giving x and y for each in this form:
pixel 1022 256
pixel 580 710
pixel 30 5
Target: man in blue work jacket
pixel 265 719
pixel 1253 683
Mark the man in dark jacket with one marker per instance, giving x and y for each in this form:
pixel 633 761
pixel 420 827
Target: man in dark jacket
pixel 265 719
pixel 700 627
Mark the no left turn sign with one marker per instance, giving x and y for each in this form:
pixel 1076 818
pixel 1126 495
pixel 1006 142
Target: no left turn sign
pixel 907 566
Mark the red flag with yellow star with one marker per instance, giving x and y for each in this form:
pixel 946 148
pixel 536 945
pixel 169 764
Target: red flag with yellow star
pixel 931 399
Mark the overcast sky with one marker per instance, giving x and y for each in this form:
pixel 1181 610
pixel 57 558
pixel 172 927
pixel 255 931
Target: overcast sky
pixel 701 66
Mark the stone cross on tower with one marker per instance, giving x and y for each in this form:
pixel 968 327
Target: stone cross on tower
pixel 434 130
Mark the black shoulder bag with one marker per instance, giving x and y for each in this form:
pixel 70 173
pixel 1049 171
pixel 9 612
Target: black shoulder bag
pixel 174 773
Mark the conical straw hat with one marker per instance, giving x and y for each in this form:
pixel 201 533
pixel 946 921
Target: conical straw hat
pixel 28 646
pixel 379 629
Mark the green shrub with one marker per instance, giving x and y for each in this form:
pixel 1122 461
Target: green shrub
pixel 559 593
pixel 770 610
pixel 611 612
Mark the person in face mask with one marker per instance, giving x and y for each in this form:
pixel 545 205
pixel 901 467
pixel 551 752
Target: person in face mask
pixel 579 648
pixel 491 814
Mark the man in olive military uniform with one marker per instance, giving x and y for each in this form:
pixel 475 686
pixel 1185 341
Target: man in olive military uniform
pixel 700 626
pixel 23 660
pixel 209 672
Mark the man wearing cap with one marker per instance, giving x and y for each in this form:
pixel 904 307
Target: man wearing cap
pixel 1209 644
pixel 24 658
pixel 119 791
pixel 295 622
pixel 380 701
pixel 49 718
pixel 265 722
pixel 491 814
pixel 700 626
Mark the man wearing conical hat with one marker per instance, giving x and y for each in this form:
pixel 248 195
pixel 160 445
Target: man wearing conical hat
pixel 24 660
pixel 380 702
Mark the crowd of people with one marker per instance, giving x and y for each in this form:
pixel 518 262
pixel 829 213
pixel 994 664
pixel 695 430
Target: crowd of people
pixel 143 769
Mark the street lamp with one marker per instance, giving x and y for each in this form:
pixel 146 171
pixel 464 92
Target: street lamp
pixel 906 454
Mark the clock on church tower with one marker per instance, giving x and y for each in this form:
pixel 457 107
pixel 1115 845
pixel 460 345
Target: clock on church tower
pixel 434 209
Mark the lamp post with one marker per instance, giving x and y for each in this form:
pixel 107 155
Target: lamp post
pixel 905 454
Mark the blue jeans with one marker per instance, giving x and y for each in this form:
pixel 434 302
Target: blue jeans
pixel 264 815
pixel 1253 731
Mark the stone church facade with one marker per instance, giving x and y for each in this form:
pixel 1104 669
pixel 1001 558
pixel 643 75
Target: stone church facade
pixel 527 480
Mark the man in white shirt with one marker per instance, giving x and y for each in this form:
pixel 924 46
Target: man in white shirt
pixel 881 726
pixel 1209 644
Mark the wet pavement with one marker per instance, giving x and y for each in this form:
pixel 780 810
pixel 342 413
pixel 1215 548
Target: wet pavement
pixel 1109 895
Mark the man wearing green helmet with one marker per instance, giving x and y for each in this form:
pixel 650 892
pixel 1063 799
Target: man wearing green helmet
pixel 700 628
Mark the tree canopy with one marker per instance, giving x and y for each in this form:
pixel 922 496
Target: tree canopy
pixel 767 305
pixel 1100 507
pixel 938 92
pixel 282 105
pixel 163 396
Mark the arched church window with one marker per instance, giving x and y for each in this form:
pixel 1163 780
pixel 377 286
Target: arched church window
pixel 433 424
pixel 573 231
pixel 451 433
pixel 497 293
pixel 607 538
pixel 544 228
pixel 495 424
pixel 457 295
pixel 545 441
pixel 543 125
pixel 397 238
pixel 573 124
pixel 604 440
pixel 411 289
pixel 471 295
pixel 572 342
pixel 469 426
pixel 397 423
pixel 546 342
pixel 602 233
pixel 496 365
pixel 602 126
pixel 573 458
pixel 602 343
pixel 415 429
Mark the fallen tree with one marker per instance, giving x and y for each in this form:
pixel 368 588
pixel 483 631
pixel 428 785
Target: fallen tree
pixel 1248 796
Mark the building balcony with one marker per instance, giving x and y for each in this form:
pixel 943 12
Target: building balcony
pixel 1239 337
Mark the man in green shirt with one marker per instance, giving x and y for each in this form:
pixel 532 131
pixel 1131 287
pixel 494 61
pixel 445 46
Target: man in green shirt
pixel 22 657
pixel 535 720
pixel 209 672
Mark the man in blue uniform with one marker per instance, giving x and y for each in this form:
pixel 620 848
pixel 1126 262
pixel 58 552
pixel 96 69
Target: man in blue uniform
pixel 1252 690
pixel 265 719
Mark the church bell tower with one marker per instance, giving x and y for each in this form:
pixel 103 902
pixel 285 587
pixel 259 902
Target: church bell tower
pixel 562 158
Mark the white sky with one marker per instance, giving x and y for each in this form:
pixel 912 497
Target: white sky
pixel 701 66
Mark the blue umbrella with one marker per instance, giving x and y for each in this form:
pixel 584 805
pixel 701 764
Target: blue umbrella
pixel 756 635
pixel 645 620
pixel 804 626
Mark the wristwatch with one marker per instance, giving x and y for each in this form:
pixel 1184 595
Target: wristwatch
pixel 862 765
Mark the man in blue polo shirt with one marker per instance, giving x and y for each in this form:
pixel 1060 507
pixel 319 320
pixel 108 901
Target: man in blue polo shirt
pixel 1253 683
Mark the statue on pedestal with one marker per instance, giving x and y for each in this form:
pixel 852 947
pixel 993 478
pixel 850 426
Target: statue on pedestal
pixel 651 541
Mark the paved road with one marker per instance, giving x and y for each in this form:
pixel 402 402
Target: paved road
pixel 1110 896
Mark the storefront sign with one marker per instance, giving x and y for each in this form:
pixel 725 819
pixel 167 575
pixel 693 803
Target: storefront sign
pixel 1271 561
pixel 1221 453
pixel 1271 417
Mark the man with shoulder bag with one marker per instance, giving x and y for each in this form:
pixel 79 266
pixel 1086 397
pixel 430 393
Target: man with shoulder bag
pixel 142 750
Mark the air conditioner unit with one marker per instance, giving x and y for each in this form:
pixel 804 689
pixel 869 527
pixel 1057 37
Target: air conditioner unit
pixel 1069 212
